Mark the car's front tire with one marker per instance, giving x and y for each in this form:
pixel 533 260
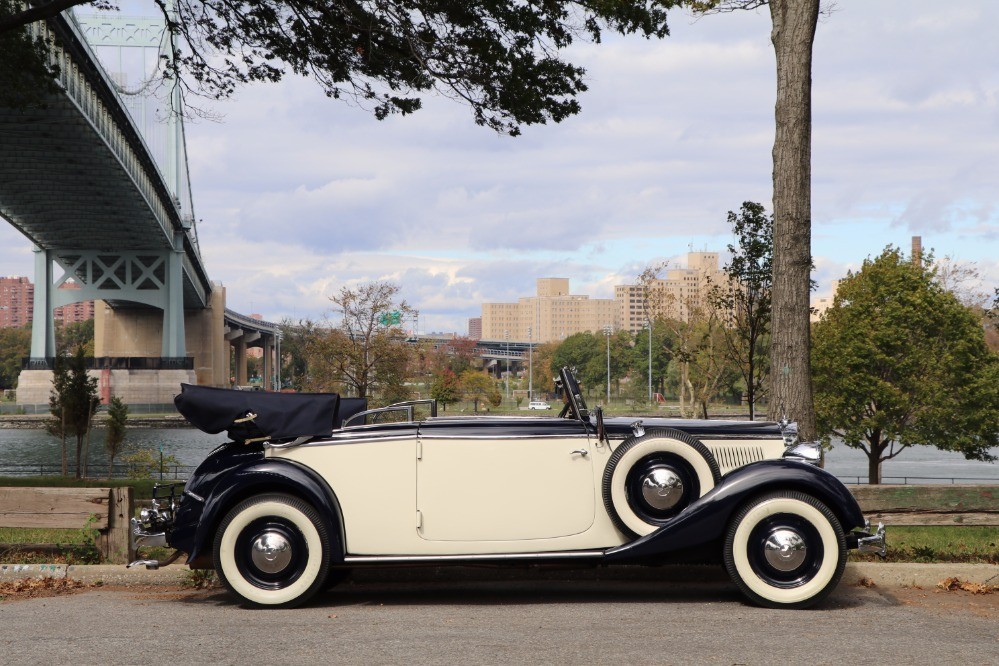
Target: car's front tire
pixel 785 550
pixel 272 550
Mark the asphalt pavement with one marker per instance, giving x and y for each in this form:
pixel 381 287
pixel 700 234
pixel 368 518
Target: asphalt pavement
pixel 881 574
pixel 454 616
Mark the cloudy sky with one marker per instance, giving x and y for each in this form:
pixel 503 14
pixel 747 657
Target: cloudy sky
pixel 299 195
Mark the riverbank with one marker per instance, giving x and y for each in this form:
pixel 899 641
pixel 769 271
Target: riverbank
pixel 141 421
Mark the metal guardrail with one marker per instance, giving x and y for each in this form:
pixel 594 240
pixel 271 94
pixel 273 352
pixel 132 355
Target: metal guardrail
pixel 99 471
pixel 916 480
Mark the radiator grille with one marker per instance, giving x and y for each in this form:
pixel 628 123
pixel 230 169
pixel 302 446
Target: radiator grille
pixel 734 456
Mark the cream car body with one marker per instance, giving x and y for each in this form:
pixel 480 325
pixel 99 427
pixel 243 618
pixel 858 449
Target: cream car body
pixel 312 485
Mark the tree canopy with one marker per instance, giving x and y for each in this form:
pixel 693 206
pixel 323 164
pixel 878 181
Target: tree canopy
pixel 504 59
pixel 900 362
pixel 15 344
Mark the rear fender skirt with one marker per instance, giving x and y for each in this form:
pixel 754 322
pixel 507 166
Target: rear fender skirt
pixel 269 476
pixel 706 519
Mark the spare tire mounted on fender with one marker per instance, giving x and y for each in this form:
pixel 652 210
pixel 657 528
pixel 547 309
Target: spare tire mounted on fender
pixel 650 479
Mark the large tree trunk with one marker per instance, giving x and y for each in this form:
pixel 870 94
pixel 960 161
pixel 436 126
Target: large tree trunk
pixel 793 33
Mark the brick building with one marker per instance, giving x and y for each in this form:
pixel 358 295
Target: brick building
pixel 17 296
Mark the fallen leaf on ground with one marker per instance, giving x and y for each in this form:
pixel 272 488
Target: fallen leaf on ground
pixel 27 588
pixel 953 584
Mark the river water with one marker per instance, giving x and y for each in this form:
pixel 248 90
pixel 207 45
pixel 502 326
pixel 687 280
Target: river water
pixel 189 447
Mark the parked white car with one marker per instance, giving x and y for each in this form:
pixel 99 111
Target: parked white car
pixel 539 404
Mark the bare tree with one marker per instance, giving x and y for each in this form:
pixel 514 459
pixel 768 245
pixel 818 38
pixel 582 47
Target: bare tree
pixel 362 350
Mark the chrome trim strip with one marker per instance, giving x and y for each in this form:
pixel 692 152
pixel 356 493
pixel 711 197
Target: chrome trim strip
pixel 557 555
pixel 553 436
pixel 357 440
pixel 198 498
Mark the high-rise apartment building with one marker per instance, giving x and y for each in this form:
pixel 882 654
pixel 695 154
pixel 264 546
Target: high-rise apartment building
pixel 677 295
pixel 475 328
pixel 74 312
pixel 17 296
pixel 552 315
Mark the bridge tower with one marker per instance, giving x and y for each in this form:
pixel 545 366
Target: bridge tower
pixel 123 228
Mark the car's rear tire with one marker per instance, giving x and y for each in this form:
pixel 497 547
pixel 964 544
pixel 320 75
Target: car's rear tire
pixel 272 550
pixel 785 550
pixel 650 479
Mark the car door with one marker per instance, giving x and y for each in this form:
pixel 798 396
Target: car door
pixel 504 480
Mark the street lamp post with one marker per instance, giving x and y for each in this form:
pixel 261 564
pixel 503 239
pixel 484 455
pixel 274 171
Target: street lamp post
pixel 506 336
pixel 530 364
pixel 607 332
pixel 650 359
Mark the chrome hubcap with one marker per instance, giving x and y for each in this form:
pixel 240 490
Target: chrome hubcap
pixel 785 550
pixel 270 552
pixel 662 488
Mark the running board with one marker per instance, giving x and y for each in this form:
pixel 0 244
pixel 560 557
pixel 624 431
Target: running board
pixel 404 559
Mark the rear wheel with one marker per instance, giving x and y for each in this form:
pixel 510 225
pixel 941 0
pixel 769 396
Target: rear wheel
pixel 785 550
pixel 272 550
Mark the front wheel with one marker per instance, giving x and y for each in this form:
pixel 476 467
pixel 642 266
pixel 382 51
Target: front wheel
pixel 272 550
pixel 785 550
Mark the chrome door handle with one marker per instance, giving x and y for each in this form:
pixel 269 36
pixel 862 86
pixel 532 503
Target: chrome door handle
pixel 580 452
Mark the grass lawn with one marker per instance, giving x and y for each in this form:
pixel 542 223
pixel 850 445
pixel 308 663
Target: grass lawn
pixel 939 544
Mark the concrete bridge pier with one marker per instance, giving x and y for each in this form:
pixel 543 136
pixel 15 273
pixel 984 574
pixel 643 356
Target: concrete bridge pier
pixel 243 333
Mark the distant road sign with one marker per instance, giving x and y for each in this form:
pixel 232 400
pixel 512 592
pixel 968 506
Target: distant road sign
pixel 393 318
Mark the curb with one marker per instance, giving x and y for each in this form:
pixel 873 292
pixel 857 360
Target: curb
pixel 918 575
pixel 883 575
pixel 109 574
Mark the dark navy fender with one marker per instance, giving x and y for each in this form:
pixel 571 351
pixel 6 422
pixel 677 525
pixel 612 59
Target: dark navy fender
pixel 706 519
pixel 255 477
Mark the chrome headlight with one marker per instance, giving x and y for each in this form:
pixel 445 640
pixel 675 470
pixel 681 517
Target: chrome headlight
pixel 806 452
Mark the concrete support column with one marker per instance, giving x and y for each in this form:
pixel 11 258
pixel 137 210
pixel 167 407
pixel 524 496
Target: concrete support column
pixel 241 378
pixel 268 358
pixel 42 325
pixel 174 345
pixel 277 360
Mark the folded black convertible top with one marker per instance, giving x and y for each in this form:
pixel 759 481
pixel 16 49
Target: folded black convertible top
pixel 275 416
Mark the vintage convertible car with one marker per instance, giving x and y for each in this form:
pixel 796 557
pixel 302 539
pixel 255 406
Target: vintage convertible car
pixel 315 484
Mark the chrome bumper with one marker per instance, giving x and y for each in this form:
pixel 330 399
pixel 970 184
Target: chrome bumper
pixel 143 537
pixel 149 530
pixel 872 543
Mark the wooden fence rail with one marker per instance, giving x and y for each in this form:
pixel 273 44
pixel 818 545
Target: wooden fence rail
pixel 108 510
pixel 929 504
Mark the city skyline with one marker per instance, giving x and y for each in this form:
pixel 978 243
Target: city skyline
pixel 298 195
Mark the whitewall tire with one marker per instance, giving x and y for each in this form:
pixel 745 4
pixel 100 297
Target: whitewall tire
pixel 651 479
pixel 272 550
pixel 785 550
